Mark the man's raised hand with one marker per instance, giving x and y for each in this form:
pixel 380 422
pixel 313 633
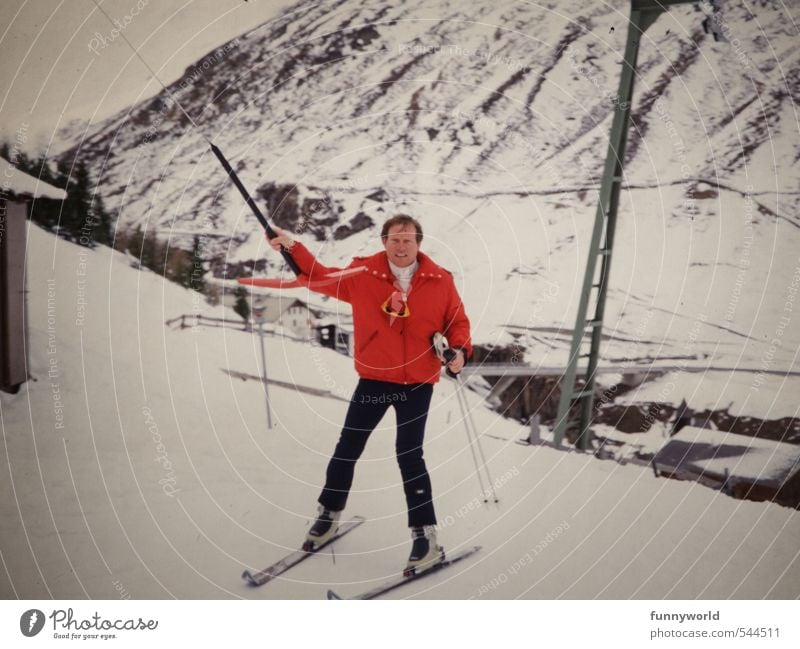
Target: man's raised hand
pixel 281 240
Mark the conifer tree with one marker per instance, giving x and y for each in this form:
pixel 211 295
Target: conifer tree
pixel 78 220
pixel 196 269
pixel 102 230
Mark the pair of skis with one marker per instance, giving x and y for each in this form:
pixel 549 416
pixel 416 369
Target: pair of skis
pixel 269 573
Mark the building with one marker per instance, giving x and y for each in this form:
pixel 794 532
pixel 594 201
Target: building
pixel 335 334
pixel 744 467
pixel 17 191
pixel 299 313
pixel 292 314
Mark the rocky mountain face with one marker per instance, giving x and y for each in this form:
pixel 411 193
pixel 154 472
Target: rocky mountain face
pixel 489 121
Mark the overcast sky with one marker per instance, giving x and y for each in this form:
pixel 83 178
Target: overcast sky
pixel 61 60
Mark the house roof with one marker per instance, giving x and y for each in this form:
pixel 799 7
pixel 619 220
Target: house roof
pixel 717 455
pixel 19 183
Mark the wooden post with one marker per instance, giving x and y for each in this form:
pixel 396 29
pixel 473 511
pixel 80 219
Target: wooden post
pixel 13 332
pixel 535 437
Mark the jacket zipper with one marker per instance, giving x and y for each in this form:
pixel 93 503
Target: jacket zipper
pixel 368 341
pixel 405 360
pixel 405 354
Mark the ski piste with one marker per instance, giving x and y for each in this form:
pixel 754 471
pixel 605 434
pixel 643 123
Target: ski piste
pixel 398 581
pixel 290 560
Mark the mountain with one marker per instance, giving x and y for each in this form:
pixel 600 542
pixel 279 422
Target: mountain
pixel 489 122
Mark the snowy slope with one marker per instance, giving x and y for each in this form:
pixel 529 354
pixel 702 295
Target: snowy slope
pixel 135 466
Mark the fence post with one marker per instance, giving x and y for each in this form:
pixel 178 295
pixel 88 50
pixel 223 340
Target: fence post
pixel 534 437
pixel 259 317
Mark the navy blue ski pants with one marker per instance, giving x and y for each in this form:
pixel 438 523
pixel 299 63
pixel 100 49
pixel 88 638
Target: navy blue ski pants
pixel 369 404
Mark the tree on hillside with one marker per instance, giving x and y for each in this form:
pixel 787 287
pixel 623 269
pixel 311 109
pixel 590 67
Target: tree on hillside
pixel 103 232
pixel 83 218
pixel 195 270
pixel 151 253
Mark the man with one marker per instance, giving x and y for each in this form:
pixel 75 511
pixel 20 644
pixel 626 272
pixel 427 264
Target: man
pixel 400 298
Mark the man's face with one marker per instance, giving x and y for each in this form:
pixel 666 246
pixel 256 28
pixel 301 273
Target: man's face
pixel 401 245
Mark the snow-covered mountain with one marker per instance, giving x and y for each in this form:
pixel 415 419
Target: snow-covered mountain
pixel 489 122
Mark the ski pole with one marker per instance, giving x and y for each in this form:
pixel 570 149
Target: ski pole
pixel 463 408
pixel 252 204
pixel 264 369
pixel 446 355
pixel 215 150
pixel 477 438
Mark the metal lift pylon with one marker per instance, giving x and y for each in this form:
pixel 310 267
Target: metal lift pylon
pixel 643 14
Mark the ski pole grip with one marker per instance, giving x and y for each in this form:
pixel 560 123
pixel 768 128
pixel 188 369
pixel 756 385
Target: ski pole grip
pixel 449 355
pixel 271 234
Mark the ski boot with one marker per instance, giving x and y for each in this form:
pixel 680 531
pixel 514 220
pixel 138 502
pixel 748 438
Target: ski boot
pixel 425 552
pixel 326 525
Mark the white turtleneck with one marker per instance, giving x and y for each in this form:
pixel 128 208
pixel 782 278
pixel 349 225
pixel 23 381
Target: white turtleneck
pixel 404 274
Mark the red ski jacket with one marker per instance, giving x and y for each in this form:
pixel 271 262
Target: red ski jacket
pixel 390 348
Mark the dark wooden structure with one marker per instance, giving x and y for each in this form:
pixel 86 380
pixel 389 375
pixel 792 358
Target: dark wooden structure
pixel 17 191
pixel 750 468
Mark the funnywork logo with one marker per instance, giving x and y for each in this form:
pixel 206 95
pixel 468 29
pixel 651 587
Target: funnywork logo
pixel 31 622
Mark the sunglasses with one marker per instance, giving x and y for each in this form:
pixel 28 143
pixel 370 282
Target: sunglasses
pixel 396 306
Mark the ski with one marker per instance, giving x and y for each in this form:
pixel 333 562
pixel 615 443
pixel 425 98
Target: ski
pixel 400 580
pixel 289 561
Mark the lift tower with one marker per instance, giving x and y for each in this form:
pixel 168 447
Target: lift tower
pixel 595 284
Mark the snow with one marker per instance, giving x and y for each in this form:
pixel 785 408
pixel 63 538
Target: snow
pixel 745 394
pixel 133 459
pixel 22 184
